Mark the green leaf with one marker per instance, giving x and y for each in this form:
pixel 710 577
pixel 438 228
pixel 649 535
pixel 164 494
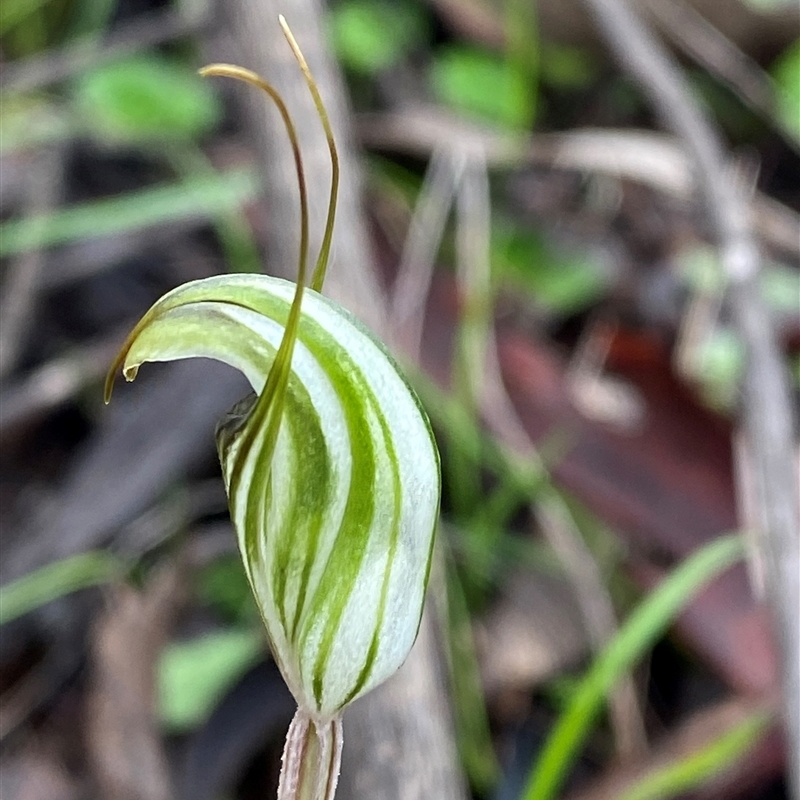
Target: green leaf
pixel 701 766
pixel 55 580
pixel 640 631
pixel 563 283
pixel 335 507
pixel 370 35
pixel 196 197
pixel 193 676
pixel 481 84
pixel 146 98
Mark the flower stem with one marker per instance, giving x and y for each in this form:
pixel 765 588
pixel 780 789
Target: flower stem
pixel 312 757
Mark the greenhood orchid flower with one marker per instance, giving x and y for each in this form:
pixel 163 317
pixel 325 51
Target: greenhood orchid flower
pixel 331 471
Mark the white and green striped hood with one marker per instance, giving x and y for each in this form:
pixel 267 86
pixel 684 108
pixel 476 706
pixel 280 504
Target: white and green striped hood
pixel 336 525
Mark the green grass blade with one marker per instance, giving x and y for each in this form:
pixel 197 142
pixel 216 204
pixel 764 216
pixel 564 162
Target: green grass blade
pixel 55 580
pixel 473 733
pixel 200 196
pixel 641 630
pixel 698 768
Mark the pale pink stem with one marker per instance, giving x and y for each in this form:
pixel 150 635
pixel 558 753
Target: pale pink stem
pixel 312 757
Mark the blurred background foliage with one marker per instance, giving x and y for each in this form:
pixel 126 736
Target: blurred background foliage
pixel 578 259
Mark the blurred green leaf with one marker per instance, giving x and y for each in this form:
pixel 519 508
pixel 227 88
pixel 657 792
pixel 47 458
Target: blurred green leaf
pixel 203 196
pixel 701 268
pixel 481 84
pixel 146 98
pixel 720 101
pixel 560 282
pixel 370 35
pixel 565 67
pixel 780 287
pixel 786 72
pixel 194 675
pixel 13 12
pixel 523 53
pixel 690 773
pixel 55 580
pixel 223 585
pixel 720 363
pixel 634 638
pixel 234 234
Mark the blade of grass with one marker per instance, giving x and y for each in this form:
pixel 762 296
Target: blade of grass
pixel 201 196
pixel 700 767
pixel 55 580
pixel 472 722
pixel 640 631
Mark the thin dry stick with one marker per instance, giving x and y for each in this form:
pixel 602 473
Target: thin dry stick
pixel 414 275
pixel 479 348
pixel 766 408
pixel 698 38
pixel 23 281
pixel 473 270
pixel 55 382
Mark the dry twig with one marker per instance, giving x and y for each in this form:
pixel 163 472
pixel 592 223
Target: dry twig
pixel 23 281
pixel 766 409
pixel 55 382
pixel 704 43
pixel 415 271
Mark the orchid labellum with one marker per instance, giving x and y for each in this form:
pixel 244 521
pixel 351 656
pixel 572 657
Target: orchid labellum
pixel 331 471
